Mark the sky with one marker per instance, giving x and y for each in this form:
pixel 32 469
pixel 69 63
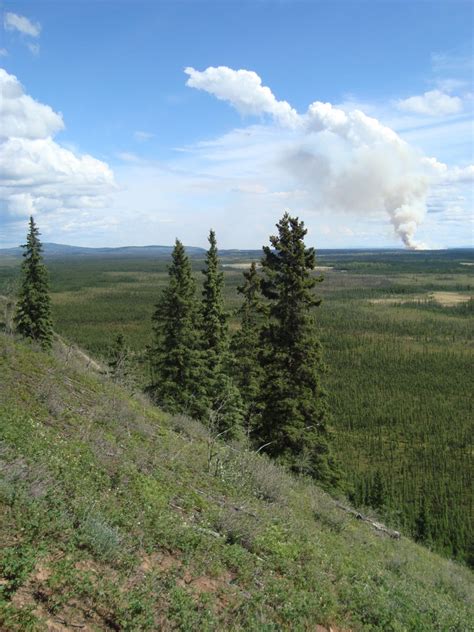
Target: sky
pixel 137 122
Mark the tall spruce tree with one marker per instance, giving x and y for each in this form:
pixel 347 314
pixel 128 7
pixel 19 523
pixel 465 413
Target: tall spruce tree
pixel 225 401
pixel 293 420
pixel 33 310
pixel 176 357
pixel 214 325
pixel 246 345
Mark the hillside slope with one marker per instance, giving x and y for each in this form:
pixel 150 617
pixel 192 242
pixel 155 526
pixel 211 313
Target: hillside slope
pixel 114 516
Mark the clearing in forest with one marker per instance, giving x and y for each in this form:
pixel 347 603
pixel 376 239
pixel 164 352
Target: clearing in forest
pixel 447 299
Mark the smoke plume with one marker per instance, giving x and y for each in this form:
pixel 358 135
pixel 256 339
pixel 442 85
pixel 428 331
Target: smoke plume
pixel 347 161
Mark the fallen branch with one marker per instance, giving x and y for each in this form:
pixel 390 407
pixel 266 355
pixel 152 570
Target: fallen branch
pixel 376 525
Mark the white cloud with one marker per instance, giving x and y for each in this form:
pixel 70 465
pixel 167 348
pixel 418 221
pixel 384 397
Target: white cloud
pixel 37 175
pixel 432 103
pixel 244 90
pixel 460 174
pixel 21 116
pixel 3 52
pixel 450 84
pixel 14 22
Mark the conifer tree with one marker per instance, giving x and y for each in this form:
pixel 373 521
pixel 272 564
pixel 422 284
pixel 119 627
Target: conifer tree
pixel 422 531
pixel 214 321
pixel 119 360
pixel 175 354
pixel 377 491
pixel 33 310
pixel 224 397
pixel 246 345
pixel 293 420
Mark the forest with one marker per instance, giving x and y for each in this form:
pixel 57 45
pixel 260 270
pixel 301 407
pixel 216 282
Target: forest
pixel 394 369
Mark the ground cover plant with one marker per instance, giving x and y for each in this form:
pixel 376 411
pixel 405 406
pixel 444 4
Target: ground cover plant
pixel 116 516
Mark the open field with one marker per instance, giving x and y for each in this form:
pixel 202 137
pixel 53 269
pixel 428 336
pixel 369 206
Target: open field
pixel 397 332
pixel 447 299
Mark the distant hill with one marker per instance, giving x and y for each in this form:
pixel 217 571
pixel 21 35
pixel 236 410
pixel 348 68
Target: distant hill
pixel 63 250
pixel 53 250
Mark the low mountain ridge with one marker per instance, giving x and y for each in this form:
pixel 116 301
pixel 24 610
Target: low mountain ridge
pixel 116 516
pixel 63 250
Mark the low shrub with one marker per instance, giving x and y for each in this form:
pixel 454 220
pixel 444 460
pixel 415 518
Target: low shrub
pixel 99 537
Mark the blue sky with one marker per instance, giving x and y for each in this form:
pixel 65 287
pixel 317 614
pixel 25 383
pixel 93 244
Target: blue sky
pixel 145 151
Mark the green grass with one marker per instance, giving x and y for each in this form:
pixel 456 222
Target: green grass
pixel 113 515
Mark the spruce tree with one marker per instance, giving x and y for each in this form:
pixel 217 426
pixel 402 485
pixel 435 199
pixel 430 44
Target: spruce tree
pixel 422 531
pixel 175 354
pixel 214 318
pixel 293 420
pixel 119 360
pixel 33 310
pixel 224 397
pixel 377 491
pixel 246 345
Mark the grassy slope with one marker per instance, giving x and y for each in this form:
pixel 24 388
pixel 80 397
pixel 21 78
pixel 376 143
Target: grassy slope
pixel 113 516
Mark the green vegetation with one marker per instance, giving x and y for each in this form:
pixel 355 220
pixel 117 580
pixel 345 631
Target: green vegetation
pixel 33 310
pixel 116 516
pixel 399 367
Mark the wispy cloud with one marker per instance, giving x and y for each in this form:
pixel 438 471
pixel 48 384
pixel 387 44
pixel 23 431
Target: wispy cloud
pixel 453 62
pixel 142 136
pixel 127 156
pixel 15 22
pixel 33 48
pixel 432 103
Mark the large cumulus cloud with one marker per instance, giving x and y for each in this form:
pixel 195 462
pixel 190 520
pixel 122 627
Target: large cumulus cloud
pixel 38 175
